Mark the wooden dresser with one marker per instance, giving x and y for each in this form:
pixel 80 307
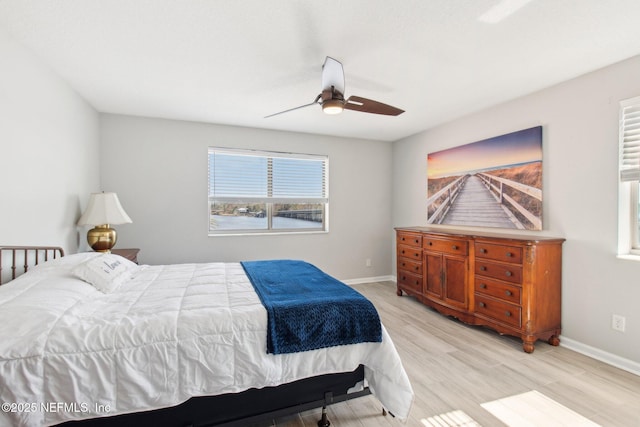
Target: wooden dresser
pixel 508 282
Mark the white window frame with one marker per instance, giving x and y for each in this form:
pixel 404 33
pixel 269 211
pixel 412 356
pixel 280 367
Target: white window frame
pixel 269 200
pixel 629 179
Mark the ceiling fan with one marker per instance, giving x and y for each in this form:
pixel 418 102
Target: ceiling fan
pixel 332 96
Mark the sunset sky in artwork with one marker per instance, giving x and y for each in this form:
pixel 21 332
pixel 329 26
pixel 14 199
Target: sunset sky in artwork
pixel 502 151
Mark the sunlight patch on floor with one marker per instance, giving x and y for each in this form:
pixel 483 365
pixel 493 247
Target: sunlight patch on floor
pixel 450 419
pixel 533 409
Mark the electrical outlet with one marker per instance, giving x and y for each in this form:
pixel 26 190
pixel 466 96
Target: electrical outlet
pixel 367 262
pixel 618 322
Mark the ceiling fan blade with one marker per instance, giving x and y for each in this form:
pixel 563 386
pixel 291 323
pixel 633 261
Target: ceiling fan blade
pixel 332 75
pixel 295 108
pixel 365 105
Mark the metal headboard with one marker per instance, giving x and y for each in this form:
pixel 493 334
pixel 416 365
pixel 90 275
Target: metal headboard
pixel 16 260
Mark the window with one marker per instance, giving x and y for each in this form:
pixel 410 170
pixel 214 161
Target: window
pixel 629 167
pixel 261 192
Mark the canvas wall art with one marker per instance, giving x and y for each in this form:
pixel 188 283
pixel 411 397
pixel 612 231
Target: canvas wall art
pixel 496 182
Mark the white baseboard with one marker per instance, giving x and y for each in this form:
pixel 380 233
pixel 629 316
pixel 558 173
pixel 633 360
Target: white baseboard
pixel 369 280
pixel 601 355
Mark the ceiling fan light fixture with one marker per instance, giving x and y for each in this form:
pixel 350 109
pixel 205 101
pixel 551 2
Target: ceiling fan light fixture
pixel 332 99
pixel 332 106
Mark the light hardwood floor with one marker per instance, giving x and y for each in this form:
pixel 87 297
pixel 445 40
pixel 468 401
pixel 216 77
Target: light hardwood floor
pixel 455 367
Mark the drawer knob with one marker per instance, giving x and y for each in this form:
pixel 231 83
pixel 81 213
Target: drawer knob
pixel 483 268
pixel 507 313
pixel 403 278
pixel 508 293
pixel 417 255
pixel 508 273
pixel 402 252
pixel 483 250
pixel 481 304
pixel 416 241
pixel 454 247
pixel 417 267
pixel 509 254
pixel 430 243
pixel 483 286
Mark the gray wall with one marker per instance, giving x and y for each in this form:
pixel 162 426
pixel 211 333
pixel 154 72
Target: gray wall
pixel 580 154
pixel 159 170
pixel 48 152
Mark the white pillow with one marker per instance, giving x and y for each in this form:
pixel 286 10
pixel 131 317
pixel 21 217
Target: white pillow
pixel 106 272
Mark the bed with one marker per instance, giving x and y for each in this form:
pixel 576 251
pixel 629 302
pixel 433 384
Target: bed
pixel 180 344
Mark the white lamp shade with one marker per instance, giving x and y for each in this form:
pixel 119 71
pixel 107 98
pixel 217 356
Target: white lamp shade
pixel 104 208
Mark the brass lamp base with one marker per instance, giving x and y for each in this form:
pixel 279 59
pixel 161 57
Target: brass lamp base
pixel 102 238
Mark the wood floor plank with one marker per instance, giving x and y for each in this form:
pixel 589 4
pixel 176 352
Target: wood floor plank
pixel 456 367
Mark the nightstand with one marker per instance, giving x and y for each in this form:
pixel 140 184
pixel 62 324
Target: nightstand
pixel 130 254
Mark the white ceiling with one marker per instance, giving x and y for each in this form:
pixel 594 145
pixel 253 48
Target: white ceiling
pixel 236 61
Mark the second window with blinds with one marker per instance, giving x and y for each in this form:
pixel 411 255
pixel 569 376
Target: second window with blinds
pixel 266 192
pixel 629 186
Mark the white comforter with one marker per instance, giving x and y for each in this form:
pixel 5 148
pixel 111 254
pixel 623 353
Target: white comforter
pixel 69 351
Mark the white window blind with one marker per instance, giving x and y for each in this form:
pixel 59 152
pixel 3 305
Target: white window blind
pixel 300 178
pixel 235 177
pixel 267 176
pixel 630 140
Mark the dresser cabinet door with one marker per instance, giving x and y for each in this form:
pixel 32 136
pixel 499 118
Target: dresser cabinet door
pixel 433 277
pixel 446 279
pixel 455 274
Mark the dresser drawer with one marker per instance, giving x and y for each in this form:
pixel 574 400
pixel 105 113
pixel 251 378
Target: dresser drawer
pixel 410 281
pixel 503 253
pixel 449 246
pixel 409 265
pixel 509 273
pixel 409 252
pixel 409 239
pixel 501 311
pixel 500 290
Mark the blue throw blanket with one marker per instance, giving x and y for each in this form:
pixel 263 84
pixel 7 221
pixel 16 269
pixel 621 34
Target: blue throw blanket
pixel 308 309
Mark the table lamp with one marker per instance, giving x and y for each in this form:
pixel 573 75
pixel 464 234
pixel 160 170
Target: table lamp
pixel 103 210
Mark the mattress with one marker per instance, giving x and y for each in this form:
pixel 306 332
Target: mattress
pixel 170 332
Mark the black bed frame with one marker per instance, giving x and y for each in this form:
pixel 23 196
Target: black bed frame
pixel 248 407
pixel 234 409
